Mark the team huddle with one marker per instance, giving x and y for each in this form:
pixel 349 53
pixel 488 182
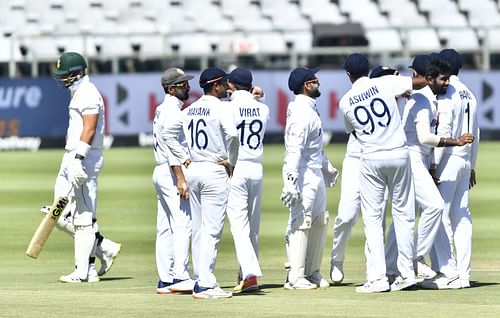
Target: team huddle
pixel 412 141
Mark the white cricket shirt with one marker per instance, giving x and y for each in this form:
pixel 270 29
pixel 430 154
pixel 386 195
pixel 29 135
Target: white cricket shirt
pixel 303 135
pixel 169 108
pixel 370 109
pixel 85 100
pixel 251 119
pixel 459 118
pixel 209 129
pixel 421 107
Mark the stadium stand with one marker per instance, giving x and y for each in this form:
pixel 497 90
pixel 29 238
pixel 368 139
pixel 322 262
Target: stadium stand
pixel 260 33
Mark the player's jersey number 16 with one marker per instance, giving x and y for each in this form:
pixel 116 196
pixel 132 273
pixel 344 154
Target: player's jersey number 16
pixel 198 134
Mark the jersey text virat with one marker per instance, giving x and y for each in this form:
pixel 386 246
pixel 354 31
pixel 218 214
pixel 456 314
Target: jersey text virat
pixel 249 112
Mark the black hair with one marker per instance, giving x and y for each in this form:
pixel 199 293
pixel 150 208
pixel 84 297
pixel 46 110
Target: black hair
pixel 436 67
pixel 207 88
pixel 242 87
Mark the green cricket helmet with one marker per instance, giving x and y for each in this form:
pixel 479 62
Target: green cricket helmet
pixel 69 68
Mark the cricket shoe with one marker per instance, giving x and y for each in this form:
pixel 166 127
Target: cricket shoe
pixel 247 285
pixel 378 286
pixel 318 280
pixel 73 278
pixel 300 283
pixel 442 282
pixel 423 271
pixel 163 288
pixel 210 293
pixel 465 283
pixel 92 276
pixel 401 283
pixel 182 285
pixel 337 272
pixel 106 253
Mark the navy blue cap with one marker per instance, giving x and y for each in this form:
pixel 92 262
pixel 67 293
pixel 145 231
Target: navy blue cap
pixel 382 71
pixel 357 64
pixel 299 76
pixel 433 56
pixel 420 63
pixel 452 57
pixel 241 76
pixel 211 75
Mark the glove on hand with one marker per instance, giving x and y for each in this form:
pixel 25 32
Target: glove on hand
pixel 291 196
pixel 330 174
pixel 76 174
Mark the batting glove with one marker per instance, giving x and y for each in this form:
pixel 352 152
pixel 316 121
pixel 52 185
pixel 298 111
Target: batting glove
pixel 291 196
pixel 330 174
pixel 76 174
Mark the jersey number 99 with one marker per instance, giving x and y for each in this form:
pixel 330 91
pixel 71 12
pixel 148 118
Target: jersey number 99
pixel 377 114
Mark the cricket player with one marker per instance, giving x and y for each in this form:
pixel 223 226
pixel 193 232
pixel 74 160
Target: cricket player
pixel 244 202
pixel 82 161
pixel 456 173
pixel 349 203
pixel 306 173
pixel 370 111
pixel 173 227
pixel 213 145
pixel 420 123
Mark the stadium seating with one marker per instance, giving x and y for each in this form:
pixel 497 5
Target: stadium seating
pixel 153 28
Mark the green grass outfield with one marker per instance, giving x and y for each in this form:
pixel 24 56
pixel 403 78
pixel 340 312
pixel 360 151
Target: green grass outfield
pixel 127 213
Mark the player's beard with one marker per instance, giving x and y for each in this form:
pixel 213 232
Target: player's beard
pixel 315 93
pixel 438 89
pixel 184 95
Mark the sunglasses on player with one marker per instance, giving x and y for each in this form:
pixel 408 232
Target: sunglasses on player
pixel 180 85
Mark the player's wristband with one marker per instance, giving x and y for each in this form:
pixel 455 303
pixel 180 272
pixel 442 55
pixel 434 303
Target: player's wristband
pixel 82 149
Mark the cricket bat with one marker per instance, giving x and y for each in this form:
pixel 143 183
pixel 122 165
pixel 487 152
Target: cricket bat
pixel 46 226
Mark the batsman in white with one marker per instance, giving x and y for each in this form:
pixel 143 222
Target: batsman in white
pixel 420 119
pixel 306 173
pixel 371 112
pixel 456 173
pixel 213 145
pixel 82 161
pixel 244 203
pixel 350 197
pixel 173 225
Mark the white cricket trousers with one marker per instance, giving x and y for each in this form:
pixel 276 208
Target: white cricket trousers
pixel 243 212
pixel 429 202
pixel 454 175
pixel 173 227
pixel 349 204
pixel 375 174
pixel 208 192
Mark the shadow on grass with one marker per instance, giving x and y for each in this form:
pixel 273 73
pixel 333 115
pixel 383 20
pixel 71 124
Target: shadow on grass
pixel 476 284
pixel 106 279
